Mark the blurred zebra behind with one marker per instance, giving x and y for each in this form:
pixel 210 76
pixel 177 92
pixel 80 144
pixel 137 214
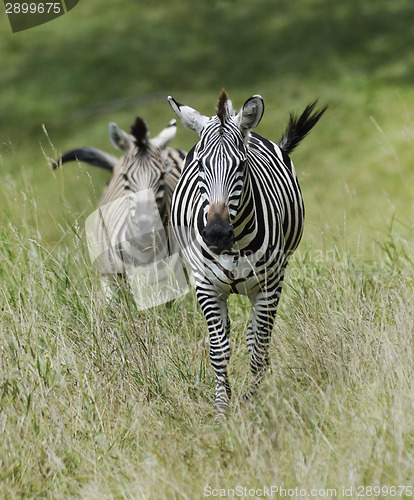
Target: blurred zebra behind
pixel 126 232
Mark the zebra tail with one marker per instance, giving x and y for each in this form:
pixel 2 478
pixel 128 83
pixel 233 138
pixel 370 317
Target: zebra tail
pixel 298 128
pixel 93 156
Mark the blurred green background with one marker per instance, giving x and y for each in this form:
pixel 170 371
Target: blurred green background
pixel 101 63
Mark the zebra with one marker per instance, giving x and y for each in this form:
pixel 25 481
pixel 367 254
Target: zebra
pixel 238 214
pixel 116 188
pixel 119 139
pixel 115 231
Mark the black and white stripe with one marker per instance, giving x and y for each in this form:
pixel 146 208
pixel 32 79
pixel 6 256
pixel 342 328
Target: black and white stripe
pixel 240 201
pixel 147 164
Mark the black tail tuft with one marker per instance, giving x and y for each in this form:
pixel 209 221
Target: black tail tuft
pixel 140 132
pixel 298 128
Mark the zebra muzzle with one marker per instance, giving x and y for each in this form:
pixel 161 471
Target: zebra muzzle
pixel 218 233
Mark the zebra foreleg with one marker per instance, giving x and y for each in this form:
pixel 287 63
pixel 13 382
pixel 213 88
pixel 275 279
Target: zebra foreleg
pixel 215 311
pixel 259 331
pixel 258 339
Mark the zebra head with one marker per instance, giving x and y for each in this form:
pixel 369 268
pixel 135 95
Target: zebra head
pixel 144 170
pixel 221 159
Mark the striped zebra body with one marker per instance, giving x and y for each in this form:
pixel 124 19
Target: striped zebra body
pixel 126 216
pixel 123 216
pixel 240 199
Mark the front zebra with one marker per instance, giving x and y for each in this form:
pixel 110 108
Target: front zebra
pixel 240 198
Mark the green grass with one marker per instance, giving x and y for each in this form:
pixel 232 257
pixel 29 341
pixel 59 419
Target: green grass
pixel 104 401
pixel 101 400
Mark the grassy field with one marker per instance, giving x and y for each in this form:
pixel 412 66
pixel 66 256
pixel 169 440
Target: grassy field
pixel 104 401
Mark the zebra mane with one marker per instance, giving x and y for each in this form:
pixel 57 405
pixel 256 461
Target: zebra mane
pixel 224 107
pixel 139 131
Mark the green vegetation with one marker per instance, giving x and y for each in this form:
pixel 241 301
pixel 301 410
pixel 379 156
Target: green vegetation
pixel 100 400
pixel 96 65
pixel 104 401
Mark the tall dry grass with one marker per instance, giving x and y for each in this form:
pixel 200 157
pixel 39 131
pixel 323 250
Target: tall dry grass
pixel 101 400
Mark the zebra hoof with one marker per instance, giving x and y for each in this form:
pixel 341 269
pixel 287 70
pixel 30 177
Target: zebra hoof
pixel 248 397
pixel 219 419
pixel 221 412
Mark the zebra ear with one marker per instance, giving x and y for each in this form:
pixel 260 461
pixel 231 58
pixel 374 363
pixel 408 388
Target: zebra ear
pixel 165 136
pixel 119 138
pixel 189 117
pixel 250 114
